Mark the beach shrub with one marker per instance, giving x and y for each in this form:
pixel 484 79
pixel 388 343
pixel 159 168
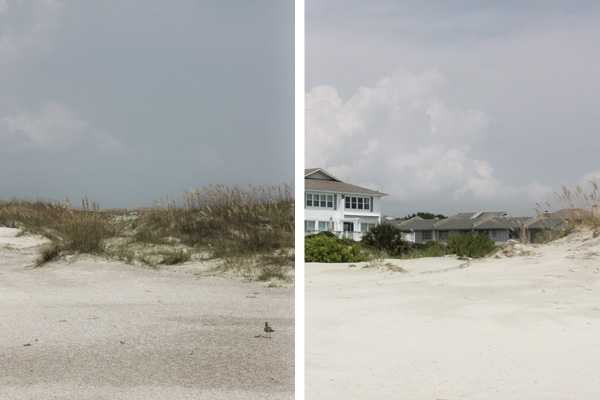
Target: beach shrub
pixel 386 237
pixel 470 245
pixel 429 249
pixel 330 249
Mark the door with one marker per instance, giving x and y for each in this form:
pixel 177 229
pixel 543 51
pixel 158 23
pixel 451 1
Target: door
pixel 348 227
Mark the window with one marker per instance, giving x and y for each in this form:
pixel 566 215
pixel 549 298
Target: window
pixel 365 227
pixel 319 200
pixel 493 233
pixel 322 226
pixel 357 203
pixel 309 201
pixel 426 235
pixel 309 226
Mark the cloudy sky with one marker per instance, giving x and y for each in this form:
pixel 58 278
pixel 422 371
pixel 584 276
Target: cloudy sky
pixel 129 101
pixel 454 105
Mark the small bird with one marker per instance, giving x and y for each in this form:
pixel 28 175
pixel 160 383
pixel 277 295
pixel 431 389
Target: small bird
pixel 268 330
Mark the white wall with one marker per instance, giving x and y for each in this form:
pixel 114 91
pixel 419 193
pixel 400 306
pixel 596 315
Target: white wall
pixel 340 215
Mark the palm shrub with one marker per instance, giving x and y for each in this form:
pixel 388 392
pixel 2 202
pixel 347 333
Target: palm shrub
pixel 386 237
pixel 328 248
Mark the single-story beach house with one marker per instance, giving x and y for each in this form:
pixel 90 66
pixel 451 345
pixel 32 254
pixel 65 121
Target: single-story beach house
pixel 498 225
pixel 339 207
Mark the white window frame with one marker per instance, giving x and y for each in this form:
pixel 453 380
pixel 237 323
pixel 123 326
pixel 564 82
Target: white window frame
pixel 319 200
pixel 357 203
pixel 306 226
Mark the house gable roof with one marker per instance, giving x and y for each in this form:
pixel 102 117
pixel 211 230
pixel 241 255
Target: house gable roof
pixel 417 224
pixel 464 221
pixel 320 180
pixel 319 173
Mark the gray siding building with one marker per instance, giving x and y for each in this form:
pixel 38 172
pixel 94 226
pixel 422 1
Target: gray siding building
pixel 499 226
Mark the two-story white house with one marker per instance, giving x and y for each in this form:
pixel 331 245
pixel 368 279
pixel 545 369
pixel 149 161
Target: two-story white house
pixel 338 207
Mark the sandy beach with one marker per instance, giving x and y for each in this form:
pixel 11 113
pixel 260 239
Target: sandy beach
pixel 87 328
pixel 523 323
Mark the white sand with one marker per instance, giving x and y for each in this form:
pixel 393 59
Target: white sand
pixel 94 329
pixel 524 324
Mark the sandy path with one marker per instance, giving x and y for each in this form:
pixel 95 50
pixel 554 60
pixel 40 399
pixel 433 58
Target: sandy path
pixel 520 327
pixel 93 329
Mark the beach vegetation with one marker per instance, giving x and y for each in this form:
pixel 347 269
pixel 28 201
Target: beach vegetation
pixel 429 249
pixel 581 209
pixel 470 245
pixel 48 252
pixel 327 248
pixel 386 237
pixel 255 224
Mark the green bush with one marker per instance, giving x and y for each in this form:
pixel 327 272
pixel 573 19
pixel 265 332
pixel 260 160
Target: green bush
pixel 470 245
pixel 429 249
pixel 386 237
pixel 330 249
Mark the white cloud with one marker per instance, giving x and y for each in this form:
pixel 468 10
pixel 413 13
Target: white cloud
pixel 455 123
pixel 406 133
pixel 54 127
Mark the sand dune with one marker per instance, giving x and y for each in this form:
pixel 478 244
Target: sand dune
pixel 523 323
pixel 89 328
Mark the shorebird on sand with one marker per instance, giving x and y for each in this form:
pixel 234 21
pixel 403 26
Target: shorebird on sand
pixel 268 330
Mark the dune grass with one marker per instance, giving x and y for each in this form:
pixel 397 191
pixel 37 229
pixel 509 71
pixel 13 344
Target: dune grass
pixel 253 224
pixel 71 230
pixel 586 211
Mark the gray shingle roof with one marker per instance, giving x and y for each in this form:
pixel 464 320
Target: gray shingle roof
pixel 340 187
pixel 455 224
pixel 326 185
pixel 416 224
pixel 464 222
pixel 502 223
pixel 544 223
